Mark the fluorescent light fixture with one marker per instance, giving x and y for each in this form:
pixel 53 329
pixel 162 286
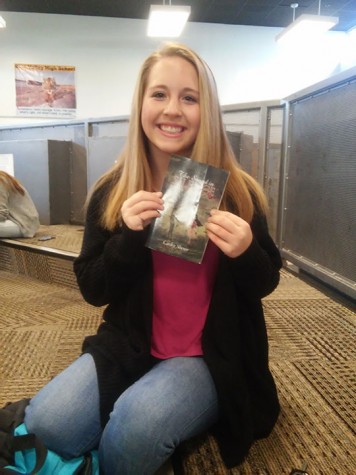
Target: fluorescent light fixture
pixel 307 26
pixel 2 22
pixel 167 20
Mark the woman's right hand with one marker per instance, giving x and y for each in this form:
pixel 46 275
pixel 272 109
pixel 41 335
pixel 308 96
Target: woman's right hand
pixel 139 210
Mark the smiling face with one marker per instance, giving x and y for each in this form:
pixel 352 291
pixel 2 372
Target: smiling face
pixel 170 114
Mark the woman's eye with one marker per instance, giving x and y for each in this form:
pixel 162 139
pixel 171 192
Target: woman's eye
pixel 158 95
pixel 190 99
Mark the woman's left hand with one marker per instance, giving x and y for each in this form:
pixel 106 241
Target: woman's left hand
pixel 228 232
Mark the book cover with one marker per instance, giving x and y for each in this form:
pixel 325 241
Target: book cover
pixel 190 190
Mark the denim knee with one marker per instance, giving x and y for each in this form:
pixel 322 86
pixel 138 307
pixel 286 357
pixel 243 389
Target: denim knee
pixel 136 440
pixel 174 401
pixel 65 413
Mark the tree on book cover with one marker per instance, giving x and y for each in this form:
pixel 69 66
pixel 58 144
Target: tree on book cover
pixel 190 190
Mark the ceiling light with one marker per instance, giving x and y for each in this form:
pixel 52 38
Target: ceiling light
pixel 167 20
pixel 2 22
pixel 307 26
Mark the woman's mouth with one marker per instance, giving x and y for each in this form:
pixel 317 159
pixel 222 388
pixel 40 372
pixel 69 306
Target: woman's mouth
pixel 171 129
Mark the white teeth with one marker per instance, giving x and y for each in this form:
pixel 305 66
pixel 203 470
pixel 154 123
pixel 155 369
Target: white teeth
pixel 171 129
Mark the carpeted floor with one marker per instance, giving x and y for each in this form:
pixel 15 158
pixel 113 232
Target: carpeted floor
pixel 313 359
pixel 58 237
pixel 312 354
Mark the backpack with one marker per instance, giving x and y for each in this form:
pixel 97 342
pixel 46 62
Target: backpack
pixel 24 453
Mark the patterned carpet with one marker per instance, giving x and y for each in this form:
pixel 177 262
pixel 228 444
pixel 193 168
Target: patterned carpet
pixel 59 237
pixel 43 321
pixel 313 359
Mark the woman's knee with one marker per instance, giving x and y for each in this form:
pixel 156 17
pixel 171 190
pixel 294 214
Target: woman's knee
pixel 64 396
pixel 65 414
pixel 136 439
pixel 152 417
pixel 135 421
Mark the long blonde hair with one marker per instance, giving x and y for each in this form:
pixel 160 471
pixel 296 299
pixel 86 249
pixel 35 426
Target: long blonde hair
pixel 11 183
pixel 132 171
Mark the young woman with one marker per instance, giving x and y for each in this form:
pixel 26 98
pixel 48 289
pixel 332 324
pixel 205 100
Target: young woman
pixel 18 214
pixel 183 346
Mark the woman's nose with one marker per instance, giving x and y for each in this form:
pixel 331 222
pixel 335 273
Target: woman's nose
pixel 172 107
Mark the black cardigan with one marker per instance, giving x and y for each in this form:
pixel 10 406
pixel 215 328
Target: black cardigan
pixel 115 269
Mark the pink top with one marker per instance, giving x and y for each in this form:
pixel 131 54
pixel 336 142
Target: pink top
pixel 181 297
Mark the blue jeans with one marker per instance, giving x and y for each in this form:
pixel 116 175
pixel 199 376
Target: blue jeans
pixel 174 401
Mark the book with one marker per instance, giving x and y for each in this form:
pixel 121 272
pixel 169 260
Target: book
pixel 190 191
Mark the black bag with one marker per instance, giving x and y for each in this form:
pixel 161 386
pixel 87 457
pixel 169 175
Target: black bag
pixel 11 418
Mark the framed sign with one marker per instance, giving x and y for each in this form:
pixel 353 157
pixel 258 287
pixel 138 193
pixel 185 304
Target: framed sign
pixel 45 90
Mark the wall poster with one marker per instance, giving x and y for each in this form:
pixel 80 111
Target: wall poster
pixel 45 90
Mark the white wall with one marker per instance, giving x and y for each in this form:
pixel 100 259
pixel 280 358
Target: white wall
pixel 107 52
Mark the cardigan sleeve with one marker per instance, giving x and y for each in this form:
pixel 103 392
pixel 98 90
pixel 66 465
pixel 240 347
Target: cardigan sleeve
pixel 256 271
pixel 109 262
pixel 4 198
